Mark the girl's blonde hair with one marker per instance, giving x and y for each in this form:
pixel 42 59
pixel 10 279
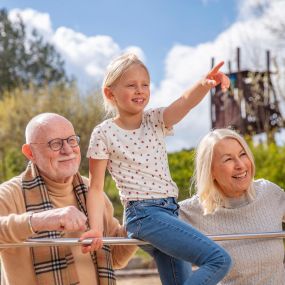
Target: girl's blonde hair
pixel 114 72
pixel 209 194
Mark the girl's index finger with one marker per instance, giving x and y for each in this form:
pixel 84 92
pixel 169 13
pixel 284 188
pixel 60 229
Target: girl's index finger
pixel 215 69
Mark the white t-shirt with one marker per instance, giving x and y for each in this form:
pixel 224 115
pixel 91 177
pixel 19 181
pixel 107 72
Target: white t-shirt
pixel 137 158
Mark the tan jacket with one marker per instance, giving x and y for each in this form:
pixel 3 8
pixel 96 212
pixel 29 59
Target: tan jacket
pixel 16 263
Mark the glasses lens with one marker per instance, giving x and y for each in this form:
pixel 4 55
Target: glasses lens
pixel 56 144
pixel 73 141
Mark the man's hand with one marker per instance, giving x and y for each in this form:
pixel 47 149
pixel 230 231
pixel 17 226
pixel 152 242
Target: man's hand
pixel 216 77
pixel 97 242
pixel 60 219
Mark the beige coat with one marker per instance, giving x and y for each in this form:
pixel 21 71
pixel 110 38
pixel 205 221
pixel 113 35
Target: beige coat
pixel 16 263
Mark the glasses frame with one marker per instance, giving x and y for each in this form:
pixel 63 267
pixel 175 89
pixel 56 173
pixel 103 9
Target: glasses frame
pixel 49 143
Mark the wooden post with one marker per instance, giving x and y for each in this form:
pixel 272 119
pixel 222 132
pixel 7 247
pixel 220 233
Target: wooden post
pixel 229 67
pixel 270 132
pixel 212 94
pixel 243 128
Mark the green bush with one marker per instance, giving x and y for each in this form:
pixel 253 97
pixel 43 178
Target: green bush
pixel 269 160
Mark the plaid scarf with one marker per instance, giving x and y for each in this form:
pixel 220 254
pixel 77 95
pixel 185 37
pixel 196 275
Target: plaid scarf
pixel 55 265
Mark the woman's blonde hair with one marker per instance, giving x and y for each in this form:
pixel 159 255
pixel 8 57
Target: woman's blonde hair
pixel 209 194
pixel 114 72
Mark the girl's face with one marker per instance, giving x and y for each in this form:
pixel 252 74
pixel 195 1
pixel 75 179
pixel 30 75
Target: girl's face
pixel 131 92
pixel 231 168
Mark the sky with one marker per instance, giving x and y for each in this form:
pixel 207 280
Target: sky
pixel 176 40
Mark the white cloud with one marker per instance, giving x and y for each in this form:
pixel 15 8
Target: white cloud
pixel 253 8
pixel 33 20
pixel 87 57
pixel 90 55
pixel 185 65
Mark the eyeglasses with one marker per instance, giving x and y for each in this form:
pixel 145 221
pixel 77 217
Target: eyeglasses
pixel 57 144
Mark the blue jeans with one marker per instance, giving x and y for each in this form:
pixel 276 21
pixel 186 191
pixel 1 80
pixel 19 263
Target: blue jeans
pixel 175 244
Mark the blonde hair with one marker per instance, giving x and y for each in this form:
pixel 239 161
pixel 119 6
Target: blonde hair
pixel 209 194
pixel 114 72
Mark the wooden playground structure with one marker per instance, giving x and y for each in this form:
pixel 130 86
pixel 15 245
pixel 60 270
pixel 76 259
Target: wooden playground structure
pixel 251 105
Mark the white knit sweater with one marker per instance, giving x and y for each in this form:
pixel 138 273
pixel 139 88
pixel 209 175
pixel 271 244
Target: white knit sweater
pixel 255 261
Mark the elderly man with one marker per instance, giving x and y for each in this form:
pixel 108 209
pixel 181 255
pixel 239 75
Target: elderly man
pixel 48 200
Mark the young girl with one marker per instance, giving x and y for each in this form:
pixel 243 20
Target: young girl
pixel 131 146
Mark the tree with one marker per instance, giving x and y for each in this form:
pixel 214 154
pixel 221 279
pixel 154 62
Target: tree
pixel 18 108
pixel 26 60
pixel 44 65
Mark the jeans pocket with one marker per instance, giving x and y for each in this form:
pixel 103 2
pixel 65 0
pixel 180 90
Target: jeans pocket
pixel 134 217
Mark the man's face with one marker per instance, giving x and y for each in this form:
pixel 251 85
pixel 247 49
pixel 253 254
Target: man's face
pixel 58 165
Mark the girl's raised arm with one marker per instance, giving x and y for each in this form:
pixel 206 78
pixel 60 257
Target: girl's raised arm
pixel 176 111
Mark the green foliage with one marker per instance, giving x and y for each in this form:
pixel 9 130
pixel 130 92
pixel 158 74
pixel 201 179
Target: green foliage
pixel 269 162
pixel 113 194
pixel 182 168
pixel 15 162
pixel 26 59
pixel 17 109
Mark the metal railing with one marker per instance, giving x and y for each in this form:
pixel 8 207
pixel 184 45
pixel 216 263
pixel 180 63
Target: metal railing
pixel 127 241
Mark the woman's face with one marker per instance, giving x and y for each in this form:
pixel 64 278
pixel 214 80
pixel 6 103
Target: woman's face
pixel 231 168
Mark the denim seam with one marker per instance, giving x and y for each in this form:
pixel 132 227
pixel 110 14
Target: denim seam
pixel 173 271
pixel 186 233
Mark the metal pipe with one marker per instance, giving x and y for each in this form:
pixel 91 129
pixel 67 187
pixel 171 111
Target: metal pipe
pixel 127 241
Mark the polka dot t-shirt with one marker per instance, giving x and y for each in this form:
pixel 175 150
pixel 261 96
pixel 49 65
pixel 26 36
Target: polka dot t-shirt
pixel 137 158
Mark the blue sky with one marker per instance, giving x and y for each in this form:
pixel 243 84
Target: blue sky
pixel 153 25
pixel 175 38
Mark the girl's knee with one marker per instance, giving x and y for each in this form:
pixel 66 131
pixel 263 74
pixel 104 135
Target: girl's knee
pixel 225 261
pixel 228 261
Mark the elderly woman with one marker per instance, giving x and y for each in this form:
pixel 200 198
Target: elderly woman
pixel 229 200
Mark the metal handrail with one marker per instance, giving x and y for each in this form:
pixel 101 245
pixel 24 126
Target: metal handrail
pixel 126 241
